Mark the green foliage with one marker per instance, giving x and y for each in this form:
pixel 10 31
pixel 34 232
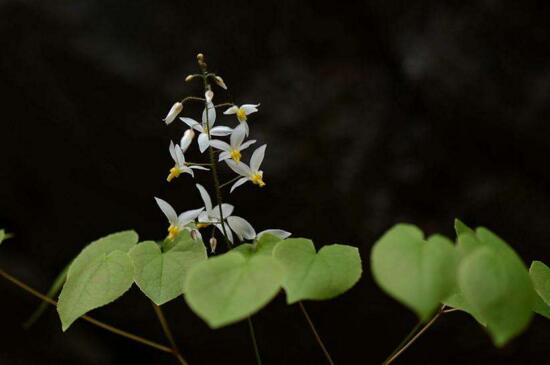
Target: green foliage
pixel 233 286
pixel 161 275
pixel 417 272
pixel 4 236
pixel 540 275
pixel 318 276
pixel 101 273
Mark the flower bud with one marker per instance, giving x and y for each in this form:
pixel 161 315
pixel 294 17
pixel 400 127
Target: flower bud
pixel 213 244
pixel 209 95
pixel 187 139
pixel 220 82
pixel 194 234
pixel 189 78
pixel 173 113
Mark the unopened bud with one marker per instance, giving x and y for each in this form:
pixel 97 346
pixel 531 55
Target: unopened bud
pixel 187 139
pixel 209 95
pixel 189 78
pixel 220 82
pixel 194 234
pixel 173 113
pixel 213 244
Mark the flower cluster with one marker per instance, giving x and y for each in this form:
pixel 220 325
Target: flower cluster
pixel 210 137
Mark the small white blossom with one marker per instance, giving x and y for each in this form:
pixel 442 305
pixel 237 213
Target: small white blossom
pixel 179 159
pixel 252 173
pixel 242 113
pixel 173 113
pixel 177 222
pixel 211 215
pixel 233 149
pixel 207 126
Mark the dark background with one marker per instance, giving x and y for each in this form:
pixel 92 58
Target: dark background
pixel 374 112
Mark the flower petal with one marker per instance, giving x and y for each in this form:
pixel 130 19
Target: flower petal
pixel 172 150
pixel 221 145
pixel 279 233
pixel 231 110
pixel 197 167
pixel 247 144
pixel 203 142
pixel 190 122
pixel 239 167
pixel 241 227
pixel 239 182
pixel 180 159
pixel 224 156
pixel 211 115
pixel 168 211
pixel 257 158
pixel 221 131
pixel 250 108
pixel 205 198
pixel 188 216
pixel 237 136
pixel 227 209
pixel 227 229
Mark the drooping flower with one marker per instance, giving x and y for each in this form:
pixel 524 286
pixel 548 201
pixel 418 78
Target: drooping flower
pixel 211 216
pixel 180 166
pixel 207 129
pixel 242 113
pixel 252 173
pixel 187 139
pixel 177 222
pixel 173 113
pixel 235 146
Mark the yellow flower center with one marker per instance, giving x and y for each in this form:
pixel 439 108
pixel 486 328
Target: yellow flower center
pixel 174 172
pixel 241 115
pixel 236 155
pixel 173 232
pixel 257 179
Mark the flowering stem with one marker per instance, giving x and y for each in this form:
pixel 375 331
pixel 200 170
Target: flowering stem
pixel 93 321
pixel 189 98
pixel 316 334
pixel 213 162
pixel 230 181
pixel 168 334
pixel 223 104
pixel 412 337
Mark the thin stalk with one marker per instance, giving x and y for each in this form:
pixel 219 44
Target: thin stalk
pixel 316 334
pixel 412 339
pixel 223 104
pixel 191 98
pixel 168 334
pixel 230 181
pixel 254 342
pixel 93 321
pixel 406 339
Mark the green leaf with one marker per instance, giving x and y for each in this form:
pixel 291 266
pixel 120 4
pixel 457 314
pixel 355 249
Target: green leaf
pixel 418 273
pixel 317 276
pixel 161 275
pixel 233 286
pixel 461 228
pixel 121 241
pixel 4 236
pixel 52 292
pixel 93 285
pixel 497 287
pixel 540 275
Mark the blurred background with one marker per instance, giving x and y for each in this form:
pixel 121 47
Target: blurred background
pixel 374 112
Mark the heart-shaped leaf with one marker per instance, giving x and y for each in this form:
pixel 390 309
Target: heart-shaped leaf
pixel 233 286
pixel 317 275
pixel 120 241
pixel 496 286
pixel 418 273
pixel 161 275
pixel 93 285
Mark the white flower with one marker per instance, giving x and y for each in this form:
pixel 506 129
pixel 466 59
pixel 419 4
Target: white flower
pixel 242 112
pixel 211 215
pixel 207 125
pixel 252 173
pixel 180 166
pixel 173 113
pixel 177 223
pixel 279 233
pixel 232 150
